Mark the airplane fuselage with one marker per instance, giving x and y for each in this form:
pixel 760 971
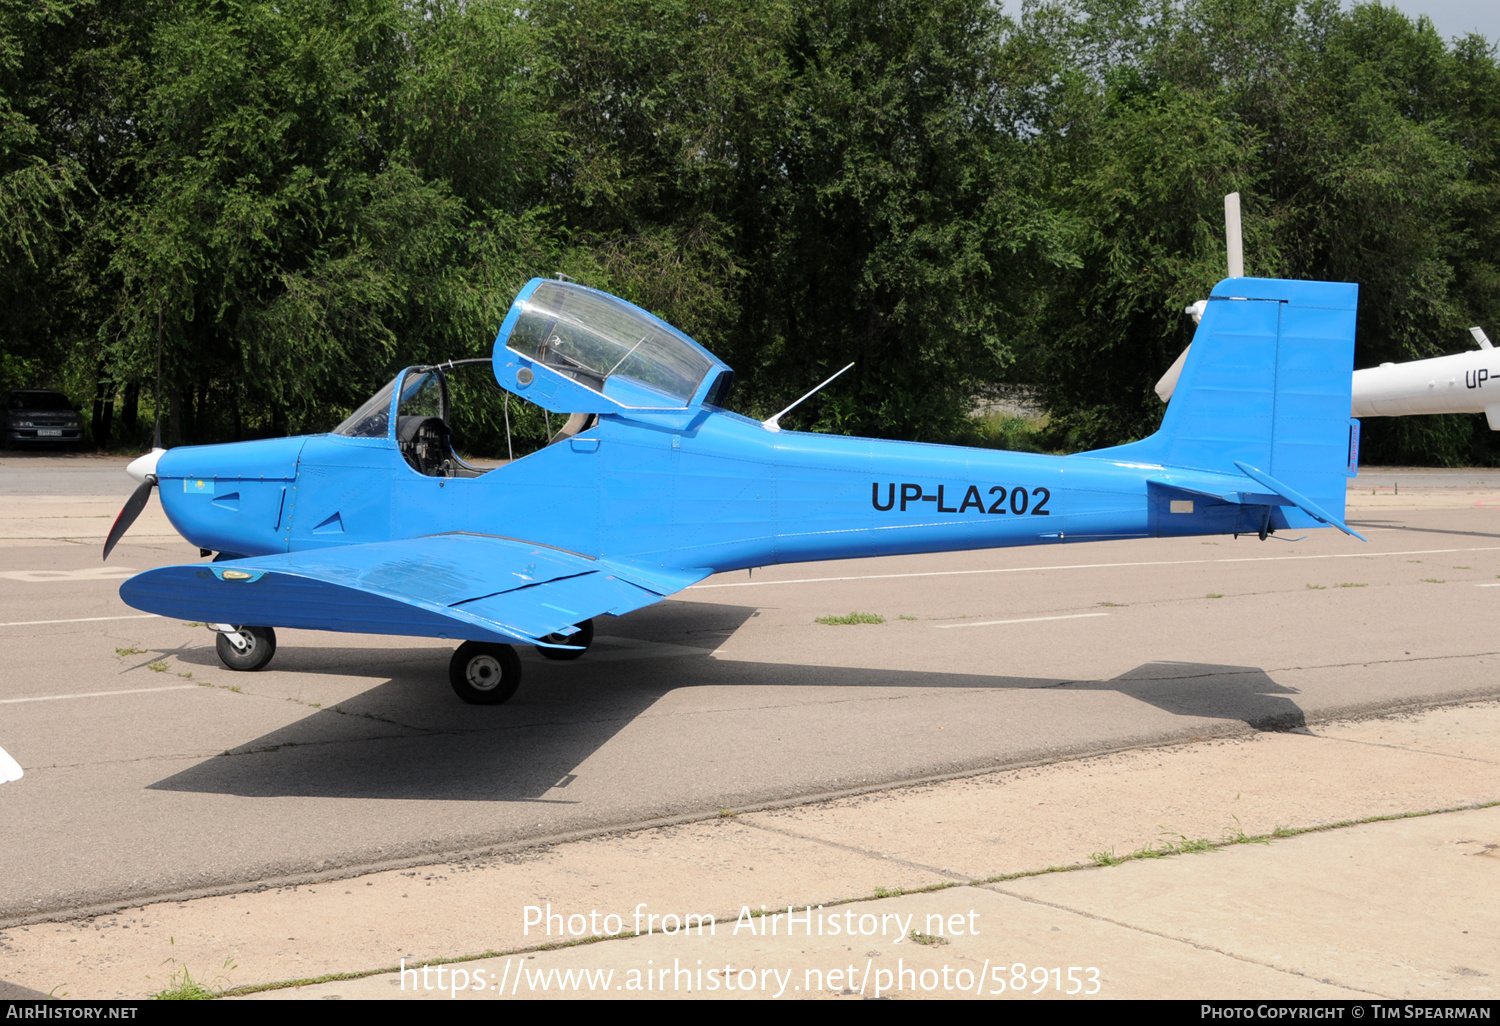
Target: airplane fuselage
pixel 721 493
pixel 1461 383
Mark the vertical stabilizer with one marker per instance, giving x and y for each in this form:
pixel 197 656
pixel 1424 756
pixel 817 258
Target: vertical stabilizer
pixel 1266 383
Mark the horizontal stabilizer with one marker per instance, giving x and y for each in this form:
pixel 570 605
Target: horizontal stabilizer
pixel 1303 503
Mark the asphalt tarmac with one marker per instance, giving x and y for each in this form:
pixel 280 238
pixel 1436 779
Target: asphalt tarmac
pixel 152 771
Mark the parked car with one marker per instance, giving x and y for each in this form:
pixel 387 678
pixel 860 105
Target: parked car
pixel 35 415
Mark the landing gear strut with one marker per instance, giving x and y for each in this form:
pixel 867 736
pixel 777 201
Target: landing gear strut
pixel 584 637
pixel 244 648
pixel 484 673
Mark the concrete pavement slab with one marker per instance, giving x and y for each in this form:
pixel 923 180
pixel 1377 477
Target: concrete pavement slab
pixel 1403 909
pixel 953 832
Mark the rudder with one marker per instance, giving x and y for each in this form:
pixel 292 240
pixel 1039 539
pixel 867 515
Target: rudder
pixel 1266 383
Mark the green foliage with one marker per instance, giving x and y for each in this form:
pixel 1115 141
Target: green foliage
pixel 306 197
pixel 852 618
pixel 1363 147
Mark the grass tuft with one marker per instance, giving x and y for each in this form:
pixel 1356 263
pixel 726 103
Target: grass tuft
pixel 851 618
pixel 129 651
pixel 1215 594
pixel 1317 587
pixel 1433 580
pixel 182 986
pixel 927 938
pixel 160 666
pixel 1351 584
pixel 888 892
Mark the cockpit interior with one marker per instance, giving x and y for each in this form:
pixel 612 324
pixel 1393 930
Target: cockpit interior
pixel 423 427
pixel 623 358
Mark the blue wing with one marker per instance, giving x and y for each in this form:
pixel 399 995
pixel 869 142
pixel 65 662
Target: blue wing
pixel 470 586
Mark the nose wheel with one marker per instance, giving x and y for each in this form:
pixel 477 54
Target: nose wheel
pixel 244 648
pixel 484 673
pixel 583 637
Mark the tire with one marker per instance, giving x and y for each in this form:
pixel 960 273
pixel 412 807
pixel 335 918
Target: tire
pixel 483 673
pixel 260 646
pixel 584 637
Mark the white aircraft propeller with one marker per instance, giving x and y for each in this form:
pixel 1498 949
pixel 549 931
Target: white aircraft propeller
pixel 1235 244
pixel 1392 389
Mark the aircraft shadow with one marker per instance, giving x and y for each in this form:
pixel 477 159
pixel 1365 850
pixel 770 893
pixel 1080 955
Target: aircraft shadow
pixel 1391 525
pixel 411 738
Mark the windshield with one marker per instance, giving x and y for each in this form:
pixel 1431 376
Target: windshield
pixel 422 395
pixel 373 419
pixel 608 345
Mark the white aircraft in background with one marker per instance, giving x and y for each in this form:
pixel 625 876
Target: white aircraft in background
pixel 10 769
pixel 1462 383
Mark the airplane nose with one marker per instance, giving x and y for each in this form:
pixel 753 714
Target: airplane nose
pixel 141 466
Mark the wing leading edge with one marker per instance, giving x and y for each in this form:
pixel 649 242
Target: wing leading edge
pixel 461 586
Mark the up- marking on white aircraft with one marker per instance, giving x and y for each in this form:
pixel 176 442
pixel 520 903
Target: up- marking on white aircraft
pixel 1461 383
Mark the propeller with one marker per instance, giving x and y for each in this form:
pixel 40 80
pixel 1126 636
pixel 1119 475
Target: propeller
pixel 1235 245
pixel 143 469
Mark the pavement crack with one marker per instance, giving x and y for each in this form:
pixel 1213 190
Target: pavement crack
pixel 1190 942
pixel 1384 662
pixel 1404 748
pixel 855 850
pixel 262 749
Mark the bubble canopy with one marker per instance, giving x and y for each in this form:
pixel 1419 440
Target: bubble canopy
pixel 606 345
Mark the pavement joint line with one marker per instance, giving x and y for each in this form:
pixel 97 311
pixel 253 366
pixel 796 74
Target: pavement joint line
pixel 81 619
pixel 1093 566
pixel 956 878
pixel 1200 945
pixel 1280 833
pixel 98 694
pixel 1029 619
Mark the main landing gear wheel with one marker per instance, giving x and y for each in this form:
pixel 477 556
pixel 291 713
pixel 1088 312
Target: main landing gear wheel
pixel 483 673
pixel 584 637
pixel 260 646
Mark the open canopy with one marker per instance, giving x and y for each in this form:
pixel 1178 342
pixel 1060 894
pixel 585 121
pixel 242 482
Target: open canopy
pixel 608 346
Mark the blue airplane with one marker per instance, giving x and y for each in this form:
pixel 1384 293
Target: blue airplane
pixel 378 527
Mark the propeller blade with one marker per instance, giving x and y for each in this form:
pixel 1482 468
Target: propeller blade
pixel 1233 237
pixel 133 507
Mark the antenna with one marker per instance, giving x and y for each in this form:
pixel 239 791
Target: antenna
pixel 773 423
pixel 1233 236
pixel 1481 337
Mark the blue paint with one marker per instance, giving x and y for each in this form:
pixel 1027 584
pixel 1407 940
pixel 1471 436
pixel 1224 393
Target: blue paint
pixel 341 533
